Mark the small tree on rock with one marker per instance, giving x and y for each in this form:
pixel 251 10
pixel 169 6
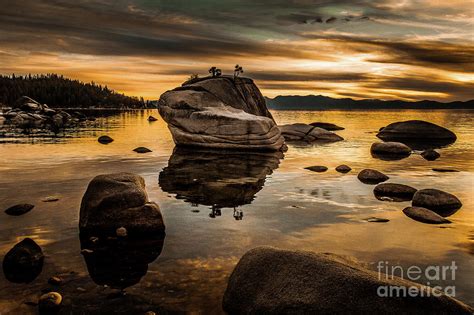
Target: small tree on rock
pixel 215 72
pixel 238 70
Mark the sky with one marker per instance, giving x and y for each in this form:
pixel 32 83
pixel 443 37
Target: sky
pixel 388 49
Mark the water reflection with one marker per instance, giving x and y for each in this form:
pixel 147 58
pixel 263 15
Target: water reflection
pixel 217 179
pixel 119 262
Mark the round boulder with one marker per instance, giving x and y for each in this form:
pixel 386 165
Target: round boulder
pixel 272 281
pixel 424 215
pixel 371 177
pixel 417 131
pixel 19 209
pixel 395 192
pixel 119 200
pixel 430 155
pixel 443 203
pixel 317 168
pixel 343 169
pixel 24 262
pixel 390 150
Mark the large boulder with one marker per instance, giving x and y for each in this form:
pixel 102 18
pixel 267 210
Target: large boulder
pixel 220 113
pixel 417 133
pixel 390 150
pixel 306 133
pixel 24 262
pixel 273 281
pixel 119 200
pixel 327 126
pixel 441 202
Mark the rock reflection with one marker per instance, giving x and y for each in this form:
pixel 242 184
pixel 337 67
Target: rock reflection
pixel 119 262
pixel 217 179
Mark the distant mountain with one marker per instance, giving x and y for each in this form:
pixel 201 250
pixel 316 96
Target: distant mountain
pixel 318 102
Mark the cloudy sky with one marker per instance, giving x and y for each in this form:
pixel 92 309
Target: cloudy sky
pixel 388 49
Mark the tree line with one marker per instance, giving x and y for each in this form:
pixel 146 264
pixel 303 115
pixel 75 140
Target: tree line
pixel 57 91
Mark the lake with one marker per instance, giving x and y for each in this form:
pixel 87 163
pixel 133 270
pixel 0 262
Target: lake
pixel 216 206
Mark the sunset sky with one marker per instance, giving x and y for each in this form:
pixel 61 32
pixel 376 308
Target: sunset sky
pixel 389 49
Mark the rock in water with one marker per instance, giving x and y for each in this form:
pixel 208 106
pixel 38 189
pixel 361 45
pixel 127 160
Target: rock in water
pixel 443 203
pixel 397 192
pixel 24 262
pixel 306 133
pixel 327 126
pixel 220 113
pixel 151 118
pixel 272 281
pixel 50 303
pixel 105 139
pixel 19 209
pixel 317 168
pixel 377 220
pixel 430 155
pixel 119 200
pixel 142 150
pixel 371 177
pixel 445 170
pixel 343 169
pixel 390 150
pixel 417 132
pixel 424 215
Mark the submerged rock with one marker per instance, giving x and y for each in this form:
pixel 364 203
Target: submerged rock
pixel 24 262
pixel 105 139
pixel 327 126
pixel 430 155
pixel 377 220
pixel 272 281
pixel 19 209
pixel 119 200
pixel 424 215
pixel 390 150
pixel 343 169
pixel 417 133
pixel 142 150
pixel 317 168
pixel 50 303
pixel 372 177
pixel 220 113
pixel 306 133
pixel 443 203
pixel 445 170
pixel 396 192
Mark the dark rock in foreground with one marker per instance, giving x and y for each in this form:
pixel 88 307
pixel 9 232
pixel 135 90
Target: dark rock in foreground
pixel 119 200
pixel 142 150
pixel 417 133
pixel 424 215
pixel 50 303
pixel 396 192
pixel 306 133
pixel 19 209
pixel 220 113
pixel 371 177
pixel 443 203
pixel 272 281
pixel 390 150
pixel 24 262
pixel 105 139
pixel 327 126
pixel 317 168
pixel 430 155
pixel 343 169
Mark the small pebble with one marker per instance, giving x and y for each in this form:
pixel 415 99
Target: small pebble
pixel 121 232
pixel 377 220
pixel 55 280
pixel 81 289
pixel 86 251
pixel 50 199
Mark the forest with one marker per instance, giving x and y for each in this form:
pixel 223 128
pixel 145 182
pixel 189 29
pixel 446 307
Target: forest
pixel 60 92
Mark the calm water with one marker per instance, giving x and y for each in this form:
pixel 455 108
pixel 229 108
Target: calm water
pixel 218 206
